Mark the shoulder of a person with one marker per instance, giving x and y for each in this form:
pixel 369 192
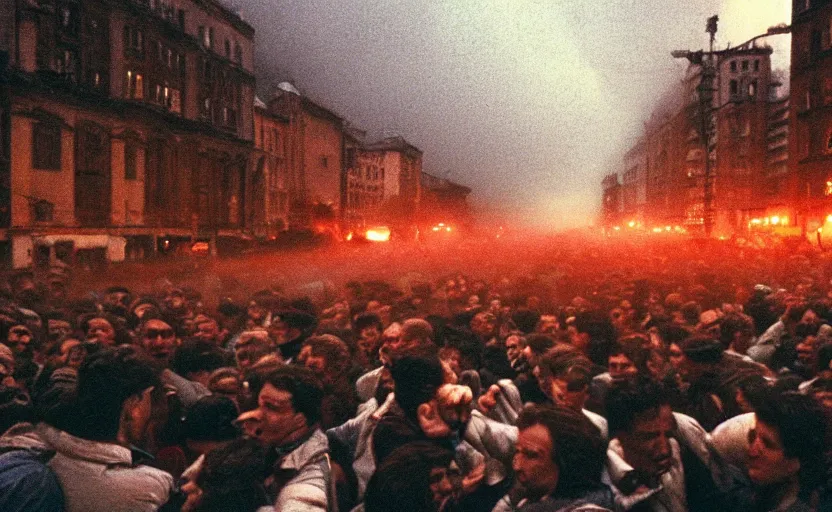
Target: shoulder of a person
pixel 301 497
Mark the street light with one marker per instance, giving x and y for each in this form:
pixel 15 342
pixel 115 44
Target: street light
pixel 705 90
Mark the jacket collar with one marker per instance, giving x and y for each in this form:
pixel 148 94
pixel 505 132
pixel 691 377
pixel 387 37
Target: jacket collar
pixel 77 448
pixel 309 451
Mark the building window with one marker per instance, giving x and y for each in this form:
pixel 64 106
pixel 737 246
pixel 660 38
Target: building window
pixel 133 42
pixel 324 162
pixel 228 49
pixel 43 210
pixel 757 65
pixel 210 37
pixel 752 89
pixel 201 31
pixel 733 66
pixel 131 160
pixel 46 146
pixel 734 88
pixel 134 86
pixel 238 54
pixel 745 65
pixel 181 18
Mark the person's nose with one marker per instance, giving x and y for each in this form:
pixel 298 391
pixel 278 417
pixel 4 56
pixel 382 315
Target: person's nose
pixel 663 449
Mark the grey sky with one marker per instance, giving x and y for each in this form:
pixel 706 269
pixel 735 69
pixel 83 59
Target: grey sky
pixel 528 102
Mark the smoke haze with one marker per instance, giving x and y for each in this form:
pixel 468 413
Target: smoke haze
pixel 530 103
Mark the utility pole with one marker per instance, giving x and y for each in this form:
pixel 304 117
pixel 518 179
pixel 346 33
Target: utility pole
pixel 708 63
pixel 705 92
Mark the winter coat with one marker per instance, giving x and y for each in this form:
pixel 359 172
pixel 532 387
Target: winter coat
pixel 94 476
pixel 309 489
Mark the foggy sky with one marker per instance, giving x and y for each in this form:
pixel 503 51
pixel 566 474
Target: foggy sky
pixel 528 102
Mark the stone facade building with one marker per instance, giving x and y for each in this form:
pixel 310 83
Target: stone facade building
pixel 131 127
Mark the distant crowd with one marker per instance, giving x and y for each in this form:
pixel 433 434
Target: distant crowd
pixel 595 377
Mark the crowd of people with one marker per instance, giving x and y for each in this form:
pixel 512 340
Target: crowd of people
pixel 599 377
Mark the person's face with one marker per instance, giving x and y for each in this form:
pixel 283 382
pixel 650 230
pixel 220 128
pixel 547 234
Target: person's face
pixel 73 353
pixel 513 348
pixel 248 354
pixel 207 331
pixel 676 356
pixel 441 486
pixel 533 462
pixel 256 312
pixel 807 351
pixel 548 324
pixel 564 397
pixel 577 339
pixel 530 356
pixel 315 363
pixel 58 329
pixel 159 340
pixel 398 344
pixel 100 331
pixel 139 412
pixel 824 398
pixel 385 385
pixel 482 325
pixel 278 419
pixel 368 340
pixel 647 446
pixel 280 332
pixel 116 299
pixel 621 368
pixel 19 340
pixel 767 462
pixel 618 318
pixel 228 387
pixel 452 358
pixel 141 309
pixel 175 302
pixel 7 376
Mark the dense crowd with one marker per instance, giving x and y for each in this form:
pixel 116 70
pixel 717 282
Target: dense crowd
pixel 596 377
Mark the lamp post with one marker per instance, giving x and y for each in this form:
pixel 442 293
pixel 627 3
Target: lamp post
pixel 708 61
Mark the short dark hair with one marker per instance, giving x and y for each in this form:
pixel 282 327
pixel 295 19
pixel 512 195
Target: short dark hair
pixel 577 447
pixel 306 390
pixel 733 323
pixel 211 418
pixel 365 320
pixel 525 319
pixel 417 376
pixel 632 348
pixel 540 343
pixel 232 477
pixel 803 427
pixel 566 362
pixel 333 349
pixel 388 491
pixel 628 403
pixel 197 355
pixel 105 380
